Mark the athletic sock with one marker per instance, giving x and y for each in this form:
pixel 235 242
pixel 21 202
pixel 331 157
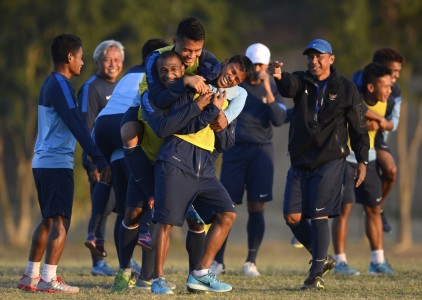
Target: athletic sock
pixel 320 243
pixel 340 258
pixel 49 272
pixel 377 256
pixel 195 242
pixel 255 229
pixel 116 234
pixel 145 222
pixel 302 232
pixel 141 168
pixel 32 269
pixel 200 273
pixel 127 243
pixel 147 264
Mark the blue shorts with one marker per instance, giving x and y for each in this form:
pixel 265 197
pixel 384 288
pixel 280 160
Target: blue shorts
pixel 107 134
pixel 349 183
pixel 135 197
pixel 55 188
pixel 251 167
pixel 315 193
pixel 130 115
pixel 176 190
pixel 369 193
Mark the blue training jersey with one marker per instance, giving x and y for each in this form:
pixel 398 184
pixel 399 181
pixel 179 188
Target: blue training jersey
pixel 59 126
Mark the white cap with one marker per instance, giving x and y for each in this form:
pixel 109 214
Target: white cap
pixel 258 54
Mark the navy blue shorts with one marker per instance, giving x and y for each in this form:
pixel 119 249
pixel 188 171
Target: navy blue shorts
pixel 135 197
pixel 251 167
pixel 349 183
pixel 176 190
pixel 55 188
pixel 315 193
pixel 107 134
pixel 130 115
pixel 369 193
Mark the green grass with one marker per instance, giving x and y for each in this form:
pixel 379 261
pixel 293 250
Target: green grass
pixel 283 270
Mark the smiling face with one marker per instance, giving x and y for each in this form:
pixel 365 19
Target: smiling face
pixel 319 64
pixel 381 90
pixel 170 69
pixel 75 62
pixel 111 64
pixel 231 75
pixel 395 68
pixel 189 50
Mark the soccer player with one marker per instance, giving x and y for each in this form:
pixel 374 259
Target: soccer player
pixel 394 60
pixel 107 136
pixel 59 123
pixel 93 96
pixel 193 151
pixel 327 108
pixel 376 87
pixel 250 163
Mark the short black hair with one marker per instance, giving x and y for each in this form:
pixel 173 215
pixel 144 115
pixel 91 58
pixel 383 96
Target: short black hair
pixel 168 54
pixel 62 45
pixel 151 45
pixel 191 29
pixel 387 55
pixel 245 64
pixel 372 72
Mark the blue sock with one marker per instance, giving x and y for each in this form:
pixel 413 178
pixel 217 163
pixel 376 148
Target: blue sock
pixel 195 243
pixel 255 229
pixel 302 231
pixel 116 233
pixel 320 243
pixel 127 243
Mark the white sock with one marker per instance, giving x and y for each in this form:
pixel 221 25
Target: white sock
pixel 377 256
pixel 200 273
pixel 49 272
pixel 33 269
pixel 340 258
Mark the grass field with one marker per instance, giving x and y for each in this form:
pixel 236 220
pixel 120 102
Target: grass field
pixel 283 270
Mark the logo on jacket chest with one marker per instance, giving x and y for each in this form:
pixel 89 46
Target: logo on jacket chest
pixel 332 96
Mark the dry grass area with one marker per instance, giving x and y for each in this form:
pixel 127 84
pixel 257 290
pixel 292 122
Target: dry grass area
pixel 283 270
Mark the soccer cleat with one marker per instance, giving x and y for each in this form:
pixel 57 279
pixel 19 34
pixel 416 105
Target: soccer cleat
pixel 135 267
pixel 56 285
pixel 206 283
pixel 383 268
pixel 132 280
pixel 386 227
pixel 295 243
pixel 217 268
pixel 91 244
pixel 145 241
pixel 160 286
pixel 27 283
pixel 344 269
pixel 146 284
pixel 102 269
pixel 121 282
pixel 249 269
pixel 192 217
pixel 313 281
pixel 329 264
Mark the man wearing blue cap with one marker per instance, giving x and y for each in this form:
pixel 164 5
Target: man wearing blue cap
pixel 327 108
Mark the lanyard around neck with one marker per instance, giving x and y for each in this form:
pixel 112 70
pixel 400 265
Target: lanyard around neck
pixel 320 99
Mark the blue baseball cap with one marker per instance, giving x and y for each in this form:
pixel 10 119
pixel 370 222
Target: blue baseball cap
pixel 320 45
